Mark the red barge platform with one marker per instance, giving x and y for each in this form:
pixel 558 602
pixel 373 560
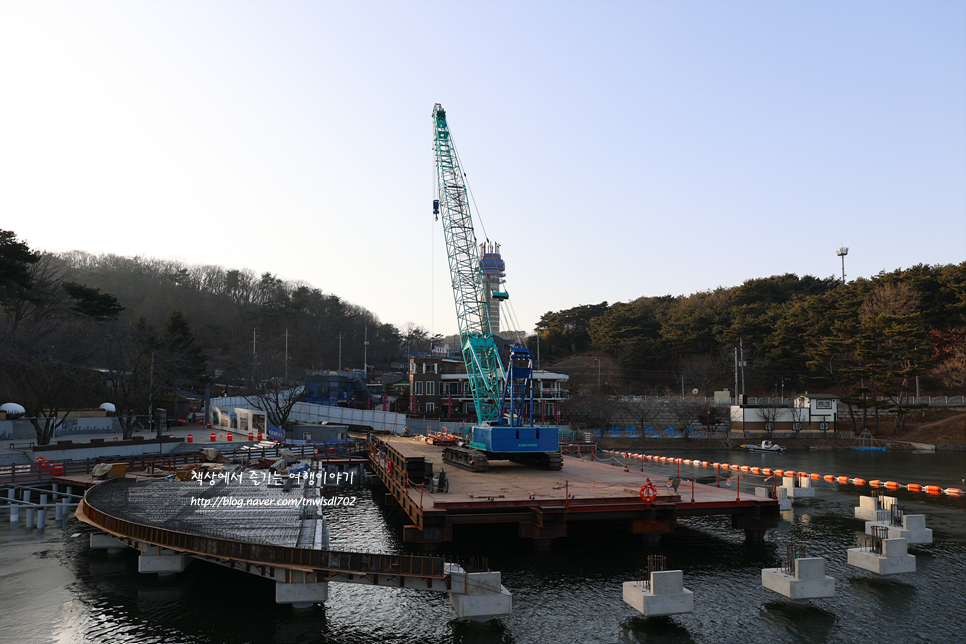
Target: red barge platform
pixel 542 503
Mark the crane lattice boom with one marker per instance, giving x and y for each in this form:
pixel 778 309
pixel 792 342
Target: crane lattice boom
pixel 476 337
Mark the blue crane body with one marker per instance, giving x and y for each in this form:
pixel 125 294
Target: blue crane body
pixel 505 427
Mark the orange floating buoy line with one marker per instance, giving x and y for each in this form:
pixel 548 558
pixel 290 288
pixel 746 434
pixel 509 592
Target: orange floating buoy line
pixel 766 471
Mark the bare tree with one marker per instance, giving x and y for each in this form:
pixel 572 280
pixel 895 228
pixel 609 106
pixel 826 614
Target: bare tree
pixel 273 393
pixel 642 412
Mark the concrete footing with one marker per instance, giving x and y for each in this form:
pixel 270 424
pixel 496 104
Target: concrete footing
pixel 155 559
pixel 105 542
pixel 798 488
pixel 301 594
pixel 872 508
pixel 666 596
pixel 913 529
pixel 809 581
pixel 894 559
pixel 482 595
pixel 784 503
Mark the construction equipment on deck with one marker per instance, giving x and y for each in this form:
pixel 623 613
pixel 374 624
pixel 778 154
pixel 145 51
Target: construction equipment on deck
pixel 505 427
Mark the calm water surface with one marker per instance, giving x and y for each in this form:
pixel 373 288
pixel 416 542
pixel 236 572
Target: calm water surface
pixel 53 588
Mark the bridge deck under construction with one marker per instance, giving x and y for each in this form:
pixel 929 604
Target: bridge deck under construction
pixel 543 502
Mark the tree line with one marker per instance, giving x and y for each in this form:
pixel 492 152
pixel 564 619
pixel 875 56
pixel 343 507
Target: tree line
pixel 79 329
pixel 873 341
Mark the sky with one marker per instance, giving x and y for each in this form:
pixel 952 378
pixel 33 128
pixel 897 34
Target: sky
pixel 614 149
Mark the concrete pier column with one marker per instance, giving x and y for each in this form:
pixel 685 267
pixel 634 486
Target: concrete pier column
pixel 301 595
pixel 105 542
pixel 30 518
pixel 665 594
pixel 58 511
pixel 478 596
pixel 301 590
pixel 894 558
pixel 155 559
pixel 55 488
pixel 809 581
pixel 41 518
pixel 14 508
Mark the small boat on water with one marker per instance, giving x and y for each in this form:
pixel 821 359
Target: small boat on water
pixel 766 446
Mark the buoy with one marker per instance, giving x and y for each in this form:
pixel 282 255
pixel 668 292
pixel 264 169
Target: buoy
pixel 725 466
pixel 745 468
pixel 953 490
pixel 914 487
pixel 875 482
pixel 716 465
pixel 212 437
pixel 251 436
pixel 779 472
pixel 259 436
pixel 756 470
pixel 815 477
pixel 189 438
pixel 843 480
pixel 829 478
pixel 790 473
pixel 933 489
pixel 892 485
pixel 229 437
pixel 704 463
pixel 767 471
pixel 858 481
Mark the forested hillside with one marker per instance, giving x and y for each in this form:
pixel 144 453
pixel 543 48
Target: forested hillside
pixel 862 338
pixel 79 327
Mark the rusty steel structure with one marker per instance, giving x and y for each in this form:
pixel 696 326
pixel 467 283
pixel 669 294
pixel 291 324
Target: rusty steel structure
pixel 103 507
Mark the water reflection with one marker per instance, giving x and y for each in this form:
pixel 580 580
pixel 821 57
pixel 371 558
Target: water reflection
pixel 493 632
pixel 654 630
pixel 809 624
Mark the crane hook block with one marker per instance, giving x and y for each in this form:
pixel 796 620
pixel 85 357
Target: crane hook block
pixel 435 206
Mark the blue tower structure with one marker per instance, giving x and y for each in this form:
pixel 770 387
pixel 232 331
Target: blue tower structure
pixel 494 270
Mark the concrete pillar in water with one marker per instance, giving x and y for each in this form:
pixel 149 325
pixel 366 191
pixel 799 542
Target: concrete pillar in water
pixel 155 559
pixel 809 581
pixel 798 487
pixel 478 596
pixel 42 513
pixel 14 508
pixel 302 591
pixel 30 518
pixel 666 594
pixel 894 558
pixel 105 542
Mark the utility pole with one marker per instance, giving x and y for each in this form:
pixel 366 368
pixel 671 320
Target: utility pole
pixel 340 351
pixel 736 375
pixel 286 354
pixel 538 351
pixel 365 353
pixel 254 353
pixel 741 345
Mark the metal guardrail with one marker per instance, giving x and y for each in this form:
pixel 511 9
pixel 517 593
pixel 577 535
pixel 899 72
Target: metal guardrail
pixel 355 563
pixel 38 471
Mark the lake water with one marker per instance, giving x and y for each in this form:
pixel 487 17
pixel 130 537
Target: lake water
pixel 53 588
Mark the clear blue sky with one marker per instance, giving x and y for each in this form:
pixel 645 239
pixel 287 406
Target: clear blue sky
pixel 615 149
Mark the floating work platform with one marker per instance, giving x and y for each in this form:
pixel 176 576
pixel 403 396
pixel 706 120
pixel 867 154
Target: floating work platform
pixel 542 503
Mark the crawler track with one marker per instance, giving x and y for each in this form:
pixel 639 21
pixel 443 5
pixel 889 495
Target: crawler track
pixel 467 459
